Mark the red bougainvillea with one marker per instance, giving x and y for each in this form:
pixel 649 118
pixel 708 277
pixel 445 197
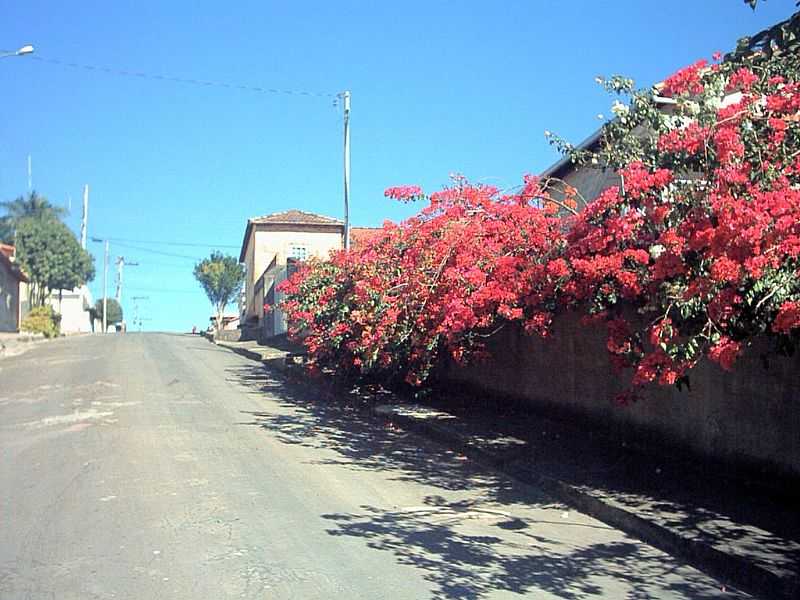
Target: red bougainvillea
pixel 441 282
pixel 695 252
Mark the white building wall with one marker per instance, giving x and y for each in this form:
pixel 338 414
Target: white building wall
pixel 73 308
pixel 265 245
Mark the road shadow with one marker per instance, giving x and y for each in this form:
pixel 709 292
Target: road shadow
pixel 315 416
pixel 696 498
pixel 440 540
pixel 446 540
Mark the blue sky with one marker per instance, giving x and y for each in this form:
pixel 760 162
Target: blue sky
pixel 438 87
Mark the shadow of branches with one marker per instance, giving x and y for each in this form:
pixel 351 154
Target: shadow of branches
pixel 449 544
pixel 697 499
pixel 318 417
pixel 507 538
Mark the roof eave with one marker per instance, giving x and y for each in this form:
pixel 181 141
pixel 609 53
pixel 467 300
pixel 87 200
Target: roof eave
pixel 247 231
pixel 590 141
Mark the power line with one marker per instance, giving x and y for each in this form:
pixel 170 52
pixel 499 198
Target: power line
pixel 160 243
pixel 163 290
pixel 184 80
pixel 159 252
pixel 155 263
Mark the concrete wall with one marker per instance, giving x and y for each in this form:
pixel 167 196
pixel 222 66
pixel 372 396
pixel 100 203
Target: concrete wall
pixel 749 416
pixel 73 308
pixel 227 335
pixel 9 299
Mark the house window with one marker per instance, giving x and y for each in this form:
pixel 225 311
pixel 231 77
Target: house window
pixel 298 252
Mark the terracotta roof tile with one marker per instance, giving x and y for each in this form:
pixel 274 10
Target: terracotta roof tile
pixel 362 235
pixel 296 217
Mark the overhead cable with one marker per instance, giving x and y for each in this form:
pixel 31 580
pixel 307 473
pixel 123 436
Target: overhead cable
pixel 184 80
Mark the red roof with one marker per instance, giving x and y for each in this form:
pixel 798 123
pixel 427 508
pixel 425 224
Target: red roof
pixel 362 235
pixel 7 250
pixel 296 217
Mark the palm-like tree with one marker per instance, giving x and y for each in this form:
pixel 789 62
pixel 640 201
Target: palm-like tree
pixel 32 206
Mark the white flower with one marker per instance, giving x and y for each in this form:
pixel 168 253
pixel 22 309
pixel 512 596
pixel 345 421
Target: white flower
pixel 619 109
pixel 547 133
pixel 691 107
pixel 601 116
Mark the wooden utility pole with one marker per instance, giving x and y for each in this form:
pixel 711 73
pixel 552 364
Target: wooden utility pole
pixel 85 218
pixel 346 98
pixel 105 289
pixel 120 266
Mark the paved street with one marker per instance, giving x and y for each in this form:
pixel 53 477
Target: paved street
pixel 153 466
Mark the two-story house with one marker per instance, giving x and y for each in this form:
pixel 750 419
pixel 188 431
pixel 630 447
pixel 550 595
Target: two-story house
pixel 270 244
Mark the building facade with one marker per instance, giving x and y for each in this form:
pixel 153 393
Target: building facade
pixel 73 306
pixel 13 291
pixel 271 243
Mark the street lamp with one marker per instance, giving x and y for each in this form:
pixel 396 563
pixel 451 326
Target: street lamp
pixel 27 49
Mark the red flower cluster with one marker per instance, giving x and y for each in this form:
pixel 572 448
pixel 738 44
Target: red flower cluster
pixel 695 251
pixel 788 318
pixel 725 352
pixel 743 79
pixel 404 193
pixel 690 139
pixel 434 285
pixel 685 81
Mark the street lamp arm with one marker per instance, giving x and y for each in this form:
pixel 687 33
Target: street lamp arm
pixel 27 49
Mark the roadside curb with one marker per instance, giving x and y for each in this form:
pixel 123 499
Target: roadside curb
pixel 275 362
pixel 728 568
pixel 20 345
pixel 733 570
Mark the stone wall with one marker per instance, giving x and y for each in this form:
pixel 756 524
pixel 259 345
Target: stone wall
pixel 228 335
pixel 748 416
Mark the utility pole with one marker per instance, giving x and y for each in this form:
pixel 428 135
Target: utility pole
pixel 120 266
pixel 346 98
pixel 105 283
pixel 136 309
pixel 105 289
pixel 85 218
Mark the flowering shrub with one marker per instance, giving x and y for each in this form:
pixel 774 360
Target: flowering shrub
pixel 696 251
pixel 441 282
pixel 702 234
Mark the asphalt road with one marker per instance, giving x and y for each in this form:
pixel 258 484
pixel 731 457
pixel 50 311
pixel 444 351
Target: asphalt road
pixel 159 466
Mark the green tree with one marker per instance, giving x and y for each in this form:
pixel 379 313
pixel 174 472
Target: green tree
pixel 113 311
pixel 32 206
pixel 221 278
pixel 52 257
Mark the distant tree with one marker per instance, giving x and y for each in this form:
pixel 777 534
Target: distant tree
pixel 221 278
pixel 113 311
pixel 32 206
pixel 52 257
